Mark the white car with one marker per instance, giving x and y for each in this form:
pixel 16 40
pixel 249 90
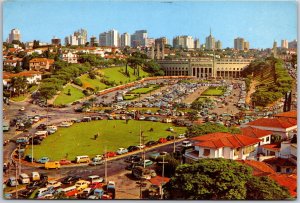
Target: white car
pixel 180 136
pixel 98 157
pixel 65 124
pixel 141 146
pixel 186 144
pixel 54 184
pixel 122 151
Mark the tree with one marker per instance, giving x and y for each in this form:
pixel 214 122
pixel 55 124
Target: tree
pixel 19 84
pixel 263 188
pixel 92 74
pixel 170 166
pixel 193 115
pixel 221 179
pixel 77 81
pixel 36 44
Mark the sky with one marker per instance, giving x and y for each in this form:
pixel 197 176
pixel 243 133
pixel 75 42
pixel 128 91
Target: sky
pixel 258 22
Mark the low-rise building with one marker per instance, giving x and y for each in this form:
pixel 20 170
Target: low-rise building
pixel 222 145
pixel 263 135
pixel 31 76
pixel 40 64
pixel 285 127
pixel 70 57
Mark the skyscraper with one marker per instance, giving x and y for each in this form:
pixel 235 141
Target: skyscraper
pixel 125 40
pixel 103 39
pixel 184 42
pixel 210 42
pixel 81 36
pixel 93 41
pixel 139 38
pixel 15 34
pixel 197 43
pixel 246 46
pixel 113 38
pixel 161 41
pixel 239 43
pixel 218 45
pixel 284 44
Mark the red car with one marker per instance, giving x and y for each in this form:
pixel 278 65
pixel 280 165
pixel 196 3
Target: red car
pixel 64 162
pixel 162 140
pixel 110 154
pixel 96 185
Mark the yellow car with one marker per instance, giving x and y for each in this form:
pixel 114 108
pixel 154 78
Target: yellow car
pixel 82 184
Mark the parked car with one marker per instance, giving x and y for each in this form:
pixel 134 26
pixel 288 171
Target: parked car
pixel 85 193
pixel 43 160
pixel 45 191
pixel 54 184
pixel 130 166
pixel 180 136
pixel 96 162
pixel 162 140
pixel 132 148
pixel 81 185
pixel 12 182
pixel 154 155
pixel 95 185
pixel 41 127
pixel 170 137
pixel 122 151
pixel 65 162
pixel 110 154
pixel 95 179
pixel 133 159
pixel 186 143
pixel 29 158
pixel 147 162
pixel 70 179
pixel 24 178
pixel 97 157
pixel 151 143
pixel 141 146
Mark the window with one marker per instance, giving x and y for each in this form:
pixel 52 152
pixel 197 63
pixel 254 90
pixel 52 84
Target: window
pixel 288 170
pixel 236 151
pixel 206 152
pixel 267 139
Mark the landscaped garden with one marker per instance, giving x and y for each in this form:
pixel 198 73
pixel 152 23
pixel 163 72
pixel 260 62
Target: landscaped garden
pixel 145 90
pixel 23 96
pixel 79 139
pixel 68 95
pixel 214 91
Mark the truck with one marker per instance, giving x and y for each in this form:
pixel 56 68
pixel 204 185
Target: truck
pixel 52 164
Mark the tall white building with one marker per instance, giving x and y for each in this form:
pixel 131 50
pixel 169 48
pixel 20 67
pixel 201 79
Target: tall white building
pixel 15 34
pixel 284 44
pixel 73 40
pixel 81 35
pixel 185 42
pixel 125 40
pixel 110 38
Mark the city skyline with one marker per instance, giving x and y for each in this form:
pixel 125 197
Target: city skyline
pixel 261 30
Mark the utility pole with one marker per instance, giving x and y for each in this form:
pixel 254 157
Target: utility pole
pixel 19 160
pixel 144 149
pixel 105 162
pixel 163 175
pixel 31 148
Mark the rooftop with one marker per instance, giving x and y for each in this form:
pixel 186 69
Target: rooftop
pixel 255 132
pixel 274 122
pixel 289 114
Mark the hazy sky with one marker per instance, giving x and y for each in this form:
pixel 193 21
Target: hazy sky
pixel 258 22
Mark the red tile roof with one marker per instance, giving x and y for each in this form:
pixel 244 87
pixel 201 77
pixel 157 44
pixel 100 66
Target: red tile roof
pixel 158 180
pixel 7 75
pixel 274 122
pixel 38 60
pixel 218 140
pixel 280 162
pixel 263 169
pixel 273 147
pixel 254 132
pixel 289 114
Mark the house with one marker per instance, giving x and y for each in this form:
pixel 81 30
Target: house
pixel 39 64
pixel 288 114
pixel 263 135
pixel 70 57
pixel 13 62
pixel 263 169
pixel 285 127
pixel 222 145
pixel 282 165
pixel 31 76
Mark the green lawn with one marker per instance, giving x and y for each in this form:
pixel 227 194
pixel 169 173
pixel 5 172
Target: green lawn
pixel 130 96
pixel 117 74
pixel 64 98
pixel 93 83
pixel 145 90
pixel 79 138
pixel 214 91
pixel 22 97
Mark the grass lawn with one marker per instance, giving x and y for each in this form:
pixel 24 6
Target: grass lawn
pixel 22 97
pixel 117 74
pixel 64 98
pixel 145 90
pixel 93 83
pixel 130 96
pixel 79 138
pixel 214 91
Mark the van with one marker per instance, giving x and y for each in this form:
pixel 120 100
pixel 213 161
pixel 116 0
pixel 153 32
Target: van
pixel 95 179
pixel 82 159
pixel 41 134
pixel 52 164
pixel 35 176
pixel 70 191
pixel 24 178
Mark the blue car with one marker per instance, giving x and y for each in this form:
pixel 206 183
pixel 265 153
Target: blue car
pixel 43 160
